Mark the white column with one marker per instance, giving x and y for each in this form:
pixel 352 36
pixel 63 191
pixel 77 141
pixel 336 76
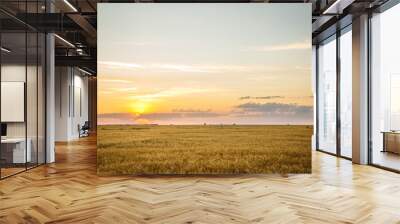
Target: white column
pixel 360 90
pixel 50 99
pixel 50 92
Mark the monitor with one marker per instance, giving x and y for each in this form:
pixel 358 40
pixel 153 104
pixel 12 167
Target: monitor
pixel 3 129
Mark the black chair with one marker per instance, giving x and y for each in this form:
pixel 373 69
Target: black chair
pixel 84 130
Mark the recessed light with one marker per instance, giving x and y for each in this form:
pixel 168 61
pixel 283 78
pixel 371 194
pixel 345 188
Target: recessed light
pixel 5 50
pixel 64 40
pixel 70 5
pixel 84 71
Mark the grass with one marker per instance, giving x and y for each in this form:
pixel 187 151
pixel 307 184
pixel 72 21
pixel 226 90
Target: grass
pixel 198 149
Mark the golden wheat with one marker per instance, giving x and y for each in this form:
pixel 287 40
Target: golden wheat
pixel 203 149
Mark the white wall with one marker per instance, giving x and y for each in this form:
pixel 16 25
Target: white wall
pixel 80 109
pixel 71 94
pixel 62 82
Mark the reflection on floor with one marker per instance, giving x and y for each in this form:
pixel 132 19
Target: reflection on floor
pixel 69 191
pixel 387 159
pixel 9 170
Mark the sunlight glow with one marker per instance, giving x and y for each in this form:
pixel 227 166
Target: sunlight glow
pixel 139 107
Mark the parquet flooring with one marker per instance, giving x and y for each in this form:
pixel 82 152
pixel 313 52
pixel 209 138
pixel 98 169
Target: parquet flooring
pixel 69 191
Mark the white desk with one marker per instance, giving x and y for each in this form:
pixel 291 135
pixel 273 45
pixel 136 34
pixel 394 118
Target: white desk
pixel 19 155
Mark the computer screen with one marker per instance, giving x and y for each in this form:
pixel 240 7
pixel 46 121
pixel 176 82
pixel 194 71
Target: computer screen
pixel 3 129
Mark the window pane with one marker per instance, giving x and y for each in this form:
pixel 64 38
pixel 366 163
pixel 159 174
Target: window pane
pixel 31 97
pixel 22 88
pixel 346 94
pixel 386 89
pixel 41 98
pixel 327 96
pixel 14 153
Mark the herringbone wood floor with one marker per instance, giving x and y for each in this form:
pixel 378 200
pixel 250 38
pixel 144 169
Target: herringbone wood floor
pixel 69 191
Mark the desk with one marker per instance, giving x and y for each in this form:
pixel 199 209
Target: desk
pixel 16 147
pixel 391 141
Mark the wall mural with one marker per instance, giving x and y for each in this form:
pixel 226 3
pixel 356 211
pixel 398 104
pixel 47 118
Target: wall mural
pixel 204 88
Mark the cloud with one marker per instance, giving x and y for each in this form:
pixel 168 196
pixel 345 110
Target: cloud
pixel 116 118
pixel 214 68
pixel 105 92
pixel 190 111
pixel 304 68
pixel 117 81
pixel 273 97
pixel 126 44
pixel 282 47
pixel 303 97
pixel 115 64
pixel 183 68
pixel 170 93
pixel 189 68
pixel 248 113
pixel 143 43
pixel 275 109
pixel 109 86
pixel 126 89
pixel 178 115
pixel 260 97
pixel 163 117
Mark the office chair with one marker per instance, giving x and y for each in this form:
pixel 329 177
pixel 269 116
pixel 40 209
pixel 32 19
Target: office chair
pixel 84 130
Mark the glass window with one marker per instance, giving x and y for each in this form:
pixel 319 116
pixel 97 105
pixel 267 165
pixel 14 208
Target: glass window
pixel 14 150
pixel 327 96
pixel 346 93
pixel 31 97
pixel 385 89
pixel 22 94
pixel 41 98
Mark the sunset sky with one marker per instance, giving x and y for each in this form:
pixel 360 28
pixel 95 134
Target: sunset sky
pixel 204 63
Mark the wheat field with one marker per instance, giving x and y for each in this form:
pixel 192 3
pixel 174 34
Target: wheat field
pixel 203 149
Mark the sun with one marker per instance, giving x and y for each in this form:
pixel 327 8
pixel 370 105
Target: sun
pixel 139 107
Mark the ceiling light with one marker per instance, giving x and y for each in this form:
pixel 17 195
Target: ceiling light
pixel 79 51
pixel 337 7
pixel 70 5
pixel 84 71
pixel 5 50
pixel 329 9
pixel 64 40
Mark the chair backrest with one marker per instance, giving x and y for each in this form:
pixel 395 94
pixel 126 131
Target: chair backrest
pixel 86 125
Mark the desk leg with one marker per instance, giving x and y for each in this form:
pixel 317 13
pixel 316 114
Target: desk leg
pixel 384 142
